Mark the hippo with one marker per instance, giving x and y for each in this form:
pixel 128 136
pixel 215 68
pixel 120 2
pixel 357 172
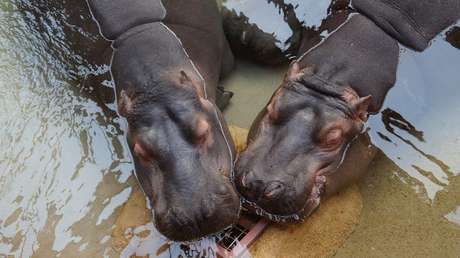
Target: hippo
pixel 301 144
pixel 168 58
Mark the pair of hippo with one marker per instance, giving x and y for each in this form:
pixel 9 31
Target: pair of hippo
pixel 168 59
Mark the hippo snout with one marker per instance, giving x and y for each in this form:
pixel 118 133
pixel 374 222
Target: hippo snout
pixel 194 221
pixel 275 193
pixel 255 190
pixel 274 190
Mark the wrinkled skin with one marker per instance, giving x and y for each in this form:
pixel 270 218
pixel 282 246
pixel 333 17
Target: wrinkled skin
pixel 182 151
pixel 298 142
pixel 285 174
pixel 183 162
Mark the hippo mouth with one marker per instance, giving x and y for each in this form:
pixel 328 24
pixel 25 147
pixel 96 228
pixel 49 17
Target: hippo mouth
pixel 312 203
pixel 195 240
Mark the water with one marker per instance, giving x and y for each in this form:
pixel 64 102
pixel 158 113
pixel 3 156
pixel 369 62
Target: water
pixel 307 12
pixel 412 193
pixel 65 170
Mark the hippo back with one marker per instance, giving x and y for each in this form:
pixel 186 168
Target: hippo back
pixel 115 17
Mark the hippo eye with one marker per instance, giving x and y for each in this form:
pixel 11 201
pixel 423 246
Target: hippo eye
pixel 201 132
pixel 334 138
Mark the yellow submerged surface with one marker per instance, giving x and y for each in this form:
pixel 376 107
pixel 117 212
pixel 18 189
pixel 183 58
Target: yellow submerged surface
pixel 319 236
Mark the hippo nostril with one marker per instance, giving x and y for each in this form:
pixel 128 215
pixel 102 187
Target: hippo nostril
pixel 274 190
pixel 244 182
pixel 222 190
pixel 246 179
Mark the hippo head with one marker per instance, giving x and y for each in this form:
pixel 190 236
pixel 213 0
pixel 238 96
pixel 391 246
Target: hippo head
pixel 301 136
pixel 183 157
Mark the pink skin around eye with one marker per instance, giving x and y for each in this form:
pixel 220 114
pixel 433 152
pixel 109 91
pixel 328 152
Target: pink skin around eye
pixel 202 132
pixel 334 137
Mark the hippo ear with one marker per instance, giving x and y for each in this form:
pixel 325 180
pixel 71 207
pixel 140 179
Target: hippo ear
pixel 125 104
pixel 362 107
pixel 295 73
pixel 272 111
pixel 186 80
pixel 273 106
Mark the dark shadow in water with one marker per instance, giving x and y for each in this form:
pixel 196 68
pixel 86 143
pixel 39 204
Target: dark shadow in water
pixel 259 42
pixel 391 119
pixel 249 41
pixel 289 13
pixel 453 37
pixel 338 12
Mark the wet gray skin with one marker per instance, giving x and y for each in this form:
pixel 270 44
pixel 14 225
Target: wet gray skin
pixel 283 174
pixel 180 144
pixel 272 174
pixel 183 164
pixel 303 134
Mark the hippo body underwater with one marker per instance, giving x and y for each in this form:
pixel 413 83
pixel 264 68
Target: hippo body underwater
pixel 167 61
pixel 272 32
pixel 299 146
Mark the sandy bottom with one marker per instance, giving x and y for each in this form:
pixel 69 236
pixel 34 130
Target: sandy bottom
pixel 321 235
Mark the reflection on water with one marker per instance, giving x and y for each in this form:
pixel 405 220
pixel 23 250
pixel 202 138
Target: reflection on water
pixel 63 166
pixel 453 36
pixel 454 216
pixel 412 193
pixel 418 128
pixel 65 169
pixel 271 31
pixel 281 18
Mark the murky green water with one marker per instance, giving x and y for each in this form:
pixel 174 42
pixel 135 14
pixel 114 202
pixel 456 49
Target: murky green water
pixel 65 169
